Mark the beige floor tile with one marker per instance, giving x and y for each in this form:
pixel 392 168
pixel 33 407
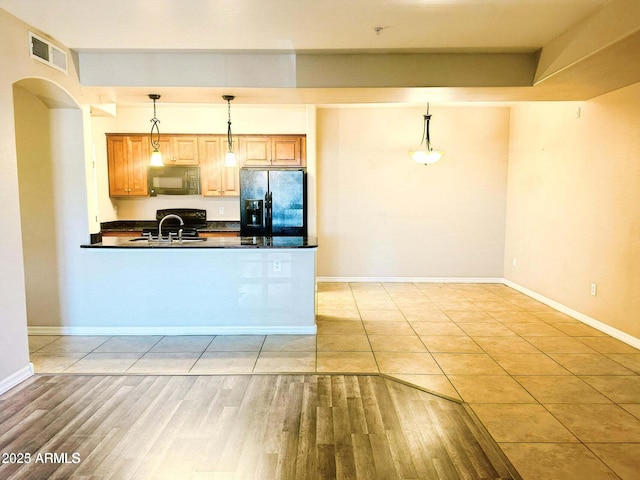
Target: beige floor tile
pixel 437 328
pixel 496 306
pixel 597 422
pixel 589 364
pixel 375 302
pixel 459 305
pixel 375 315
pixel 54 362
pixel 473 316
pixel 36 342
pixel 289 343
pixel 396 343
pixel 529 364
pixel 340 327
pixel 162 363
pixel 486 330
pixel 622 458
pixel 535 329
pixel 412 303
pixel 450 344
pixel 468 364
pixel 553 316
pixel 578 329
pixel 325 313
pixel 521 423
pixel 560 389
pixel 183 343
pixel 556 461
pixel 74 344
pixel 562 344
pixel 114 362
pixel 505 345
pixel 632 408
pixel 388 328
pixel 629 360
pixel 606 345
pixel 236 343
pixel 129 344
pixel 423 315
pixel 343 343
pixel 438 384
pixel 272 362
pixel 412 362
pixel 347 362
pixel 225 362
pixel 514 316
pixel 620 389
pixel 490 389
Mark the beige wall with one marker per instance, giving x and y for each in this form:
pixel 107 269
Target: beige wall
pixel 573 215
pixel 382 215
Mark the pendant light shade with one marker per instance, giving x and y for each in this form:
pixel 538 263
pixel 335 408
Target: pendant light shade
pixel 425 153
pixel 156 156
pixel 230 157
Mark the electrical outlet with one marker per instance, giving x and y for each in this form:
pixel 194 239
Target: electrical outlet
pixel 514 262
pixel 277 266
pixel 594 289
pixel 221 210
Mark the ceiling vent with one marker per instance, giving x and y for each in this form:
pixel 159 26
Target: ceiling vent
pixel 46 52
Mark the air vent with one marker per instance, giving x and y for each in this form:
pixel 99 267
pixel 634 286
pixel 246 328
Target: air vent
pixel 46 52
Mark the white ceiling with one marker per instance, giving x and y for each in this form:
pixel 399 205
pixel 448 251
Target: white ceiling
pixel 502 25
pixel 331 26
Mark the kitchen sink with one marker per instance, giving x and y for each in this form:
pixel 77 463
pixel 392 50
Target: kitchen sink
pixel 175 240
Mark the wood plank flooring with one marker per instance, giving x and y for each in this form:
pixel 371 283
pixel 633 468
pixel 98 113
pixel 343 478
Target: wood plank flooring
pixel 242 427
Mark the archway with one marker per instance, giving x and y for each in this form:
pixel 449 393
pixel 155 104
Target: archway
pixel 52 184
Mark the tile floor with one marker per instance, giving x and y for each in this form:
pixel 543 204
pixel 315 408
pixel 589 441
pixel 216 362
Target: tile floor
pixel 561 398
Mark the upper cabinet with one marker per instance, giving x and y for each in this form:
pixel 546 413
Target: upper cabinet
pixel 128 159
pixel 272 150
pixel 179 149
pixel 216 178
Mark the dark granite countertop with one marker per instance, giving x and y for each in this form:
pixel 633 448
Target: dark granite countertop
pixel 208 242
pixel 124 226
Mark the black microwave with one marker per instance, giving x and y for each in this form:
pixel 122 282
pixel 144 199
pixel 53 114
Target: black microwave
pixel 174 181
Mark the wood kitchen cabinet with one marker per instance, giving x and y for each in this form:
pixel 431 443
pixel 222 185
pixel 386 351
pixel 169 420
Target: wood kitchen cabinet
pixel 179 149
pixel 272 151
pixel 128 159
pixel 216 178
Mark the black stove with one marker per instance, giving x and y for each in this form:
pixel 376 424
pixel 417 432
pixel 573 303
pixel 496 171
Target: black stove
pixel 193 218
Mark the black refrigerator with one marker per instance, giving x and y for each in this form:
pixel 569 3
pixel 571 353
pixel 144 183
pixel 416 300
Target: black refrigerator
pixel 273 201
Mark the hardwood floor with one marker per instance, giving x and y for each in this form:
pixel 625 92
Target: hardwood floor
pixel 240 427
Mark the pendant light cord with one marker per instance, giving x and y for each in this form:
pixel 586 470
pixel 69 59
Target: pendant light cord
pixel 155 143
pixel 229 135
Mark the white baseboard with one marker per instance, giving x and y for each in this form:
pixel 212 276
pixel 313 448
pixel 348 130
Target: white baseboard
pixel 16 378
pixel 409 279
pixel 592 322
pixel 212 330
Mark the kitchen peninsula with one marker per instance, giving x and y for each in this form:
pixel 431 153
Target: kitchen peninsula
pixel 211 285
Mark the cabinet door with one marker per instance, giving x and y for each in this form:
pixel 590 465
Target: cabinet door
pixel 209 151
pixel 117 158
pixel 289 151
pixel 128 159
pixel 179 149
pixel 215 177
pixel 139 155
pixel 255 151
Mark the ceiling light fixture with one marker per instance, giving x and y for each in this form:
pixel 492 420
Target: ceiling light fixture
pixel 425 153
pixel 230 157
pixel 156 156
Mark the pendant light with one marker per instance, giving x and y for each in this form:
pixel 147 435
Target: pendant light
pixel 230 157
pixel 156 156
pixel 425 153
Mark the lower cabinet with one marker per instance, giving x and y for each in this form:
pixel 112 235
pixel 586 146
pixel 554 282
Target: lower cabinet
pixel 216 178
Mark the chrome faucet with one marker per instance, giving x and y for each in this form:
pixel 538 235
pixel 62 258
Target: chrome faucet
pixel 171 215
